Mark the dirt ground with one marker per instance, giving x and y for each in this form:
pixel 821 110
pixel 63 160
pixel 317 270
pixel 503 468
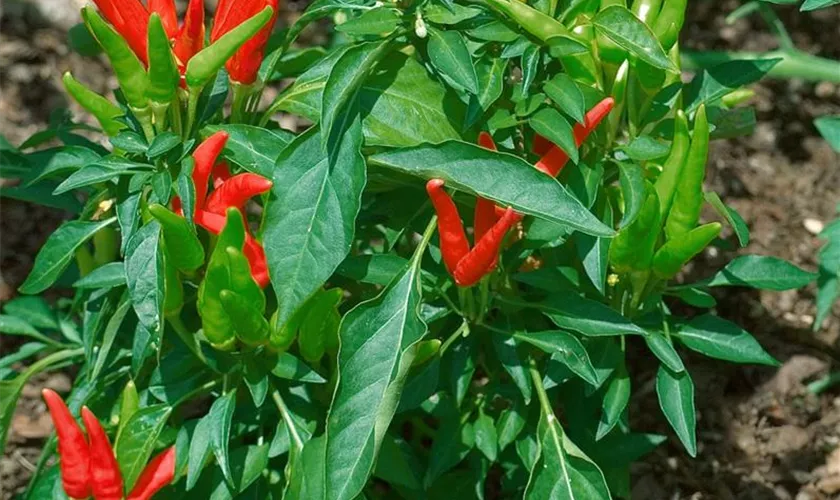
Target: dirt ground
pixel 761 434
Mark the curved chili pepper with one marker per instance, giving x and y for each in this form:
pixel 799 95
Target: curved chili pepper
pixel 187 252
pixel 688 199
pixel 73 450
pixel 163 71
pixel 250 325
pixel 130 19
pixel 245 63
pixel 168 15
pixel 670 22
pixel 190 38
pixel 252 249
pixel 540 146
pixel 203 66
pixel 236 191
pixel 205 157
pixel 485 210
pixel 673 255
pixel 221 173
pixel 482 258
pixel 106 480
pixel 105 112
pixel 555 159
pixel 666 184
pixel 633 248
pixel 158 473
pixel 453 239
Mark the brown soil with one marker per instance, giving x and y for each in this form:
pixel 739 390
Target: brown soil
pixel 761 434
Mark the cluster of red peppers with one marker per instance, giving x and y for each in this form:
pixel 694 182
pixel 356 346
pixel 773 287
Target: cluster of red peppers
pixel 228 192
pixel 131 20
pixel 491 223
pixel 88 465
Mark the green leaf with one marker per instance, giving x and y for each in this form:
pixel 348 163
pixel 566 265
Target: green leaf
pixel 550 124
pixel 731 216
pixel 373 362
pixel 199 448
pixel 632 182
pixel 758 271
pixel 449 55
pixel 809 5
pixel 614 402
pixel 453 441
pixel 376 269
pixel 397 464
pixel 108 276
pixel 567 96
pixel 220 420
pixel 829 127
pixel 144 275
pixel 477 170
pixel 494 31
pixel 714 83
pixel 110 334
pixel 450 13
pixel 253 148
pixel 586 316
pixel 104 170
pixel 646 148
pixel 491 76
pixel 58 252
pixel 162 144
pixel 380 21
pixel 718 338
pixel 676 398
pixel 13 325
pixel 628 32
pixel 311 215
pixel 291 368
pixel 137 440
pixel 36 310
pixel 565 348
pixel 694 297
pixel 662 348
pixel 505 347
pixel 60 160
pixel 485 436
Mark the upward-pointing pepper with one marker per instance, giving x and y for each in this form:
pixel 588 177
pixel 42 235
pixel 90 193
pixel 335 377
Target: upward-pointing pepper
pixel 245 63
pixel 73 452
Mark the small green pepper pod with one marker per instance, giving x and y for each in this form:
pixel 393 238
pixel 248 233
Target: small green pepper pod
pixel 538 24
pixel 173 297
pixel 163 70
pixel 666 184
pixel 319 328
pixel 424 351
pixel 127 67
pixel 647 10
pixel 105 112
pixel 669 23
pixel 633 247
pixel 283 336
pixel 241 280
pixel 673 255
pixel 688 199
pixel 184 245
pixel 203 66
pixel 249 324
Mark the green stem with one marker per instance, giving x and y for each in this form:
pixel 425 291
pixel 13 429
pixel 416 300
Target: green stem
pixel 208 386
pixel 192 110
pixel 52 359
pixel 144 116
pixel 536 377
pixel 776 26
pixel 794 64
pixel 464 330
pixel 287 417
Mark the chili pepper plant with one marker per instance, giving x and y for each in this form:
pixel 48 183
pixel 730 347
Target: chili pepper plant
pixel 430 291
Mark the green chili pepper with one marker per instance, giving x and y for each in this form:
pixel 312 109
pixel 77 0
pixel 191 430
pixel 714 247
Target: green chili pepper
pixel 173 298
pixel 619 95
pixel 666 184
pixel 241 279
pixel 249 323
pixel 633 247
pixel 129 402
pixel 163 70
pixel 669 22
pixel 106 246
pixel 203 66
pixel 688 199
pixel 186 249
pixel 319 327
pixel 676 253
pixel 646 10
pixel 127 67
pixel 105 112
pixel 425 351
pixel 542 26
pixel 283 336
pixel 737 96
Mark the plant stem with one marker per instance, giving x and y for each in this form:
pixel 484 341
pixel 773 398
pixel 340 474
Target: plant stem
pixel 192 109
pixel 287 417
pixel 794 64
pixel 536 377
pixel 198 390
pixel 464 330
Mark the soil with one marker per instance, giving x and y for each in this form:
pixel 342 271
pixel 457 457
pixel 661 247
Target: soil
pixel 761 434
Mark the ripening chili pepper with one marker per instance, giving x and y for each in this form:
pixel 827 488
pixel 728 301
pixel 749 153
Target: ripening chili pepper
pixel 73 451
pixel 130 18
pixel 105 112
pixel 252 250
pixel 235 191
pixel 666 184
pixel 158 473
pixel 485 210
pixel 555 159
pixel 633 247
pixel 130 72
pixel 190 38
pixel 482 258
pixel 187 251
pixel 688 200
pixel 245 63
pixel 204 65
pixel 168 15
pixel 669 23
pixel 205 157
pixel 674 254
pixel 106 480
pixel 221 173
pixel 453 240
pixel 163 71
pixel 250 325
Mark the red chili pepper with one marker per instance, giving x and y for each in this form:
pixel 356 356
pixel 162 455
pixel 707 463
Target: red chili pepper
pixel 453 239
pixel 482 258
pixel 168 15
pixel 205 157
pixel 73 451
pixel 131 20
pixel 485 210
pixel 106 480
pixel 253 250
pixel 541 145
pixel 235 191
pixel 245 64
pixel 157 474
pixel 221 173
pixel 189 40
pixel 555 159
